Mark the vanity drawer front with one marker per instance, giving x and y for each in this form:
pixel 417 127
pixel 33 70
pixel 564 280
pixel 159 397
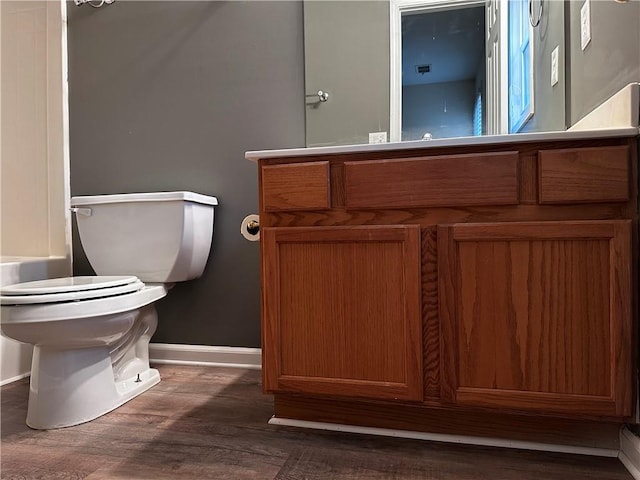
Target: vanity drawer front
pixel 296 186
pixel 581 175
pixel 438 181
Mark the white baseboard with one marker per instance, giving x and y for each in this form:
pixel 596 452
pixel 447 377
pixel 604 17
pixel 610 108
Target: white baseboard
pixel 630 452
pixel 14 379
pixel 440 437
pixel 172 354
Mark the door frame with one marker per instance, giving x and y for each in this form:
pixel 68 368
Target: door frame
pixel 497 98
pixel 396 9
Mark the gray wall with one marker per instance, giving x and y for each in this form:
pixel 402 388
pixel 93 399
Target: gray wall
pixel 442 109
pixel 609 62
pixel 169 96
pixel 548 101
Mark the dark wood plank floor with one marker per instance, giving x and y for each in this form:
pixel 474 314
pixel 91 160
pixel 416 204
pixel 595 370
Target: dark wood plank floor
pixel 211 423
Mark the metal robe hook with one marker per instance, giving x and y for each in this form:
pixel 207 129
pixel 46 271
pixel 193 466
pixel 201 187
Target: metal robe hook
pixel 323 96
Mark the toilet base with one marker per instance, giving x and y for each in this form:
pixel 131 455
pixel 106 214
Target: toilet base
pixel 69 387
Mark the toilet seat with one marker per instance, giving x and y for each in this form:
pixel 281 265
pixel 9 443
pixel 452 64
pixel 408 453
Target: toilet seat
pixel 69 289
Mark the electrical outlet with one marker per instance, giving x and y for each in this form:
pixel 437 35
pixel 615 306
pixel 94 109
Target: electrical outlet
pixel 378 137
pixel 585 24
pixel 554 65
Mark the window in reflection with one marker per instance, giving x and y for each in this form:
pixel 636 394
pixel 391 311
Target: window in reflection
pixel 520 60
pixel 477 116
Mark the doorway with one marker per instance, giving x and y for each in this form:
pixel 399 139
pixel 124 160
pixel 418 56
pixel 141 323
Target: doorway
pixel 440 70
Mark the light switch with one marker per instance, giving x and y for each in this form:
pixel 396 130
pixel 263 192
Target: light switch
pixel 585 24
pixel 554 65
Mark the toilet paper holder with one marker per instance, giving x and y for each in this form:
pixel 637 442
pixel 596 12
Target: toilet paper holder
pixel 253 227
pixel 250 227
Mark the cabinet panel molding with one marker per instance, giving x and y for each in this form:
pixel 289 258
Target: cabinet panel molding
pixel 596 405
pixel 430 318
pixel 582 175
pixel 296 186
pixel 447 180
pixel 536 316
pixel 342 311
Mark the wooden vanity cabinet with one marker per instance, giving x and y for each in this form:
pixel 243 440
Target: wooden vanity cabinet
pixel 452 280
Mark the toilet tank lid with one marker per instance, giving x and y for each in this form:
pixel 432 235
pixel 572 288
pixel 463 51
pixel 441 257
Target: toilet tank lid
pixel 144 197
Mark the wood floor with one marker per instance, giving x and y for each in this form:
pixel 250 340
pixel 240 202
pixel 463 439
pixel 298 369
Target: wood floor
pixel 211 423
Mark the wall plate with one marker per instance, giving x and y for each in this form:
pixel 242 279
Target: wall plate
pixel 378 137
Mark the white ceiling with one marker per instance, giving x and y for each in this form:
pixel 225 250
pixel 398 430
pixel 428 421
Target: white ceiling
pixel 451 41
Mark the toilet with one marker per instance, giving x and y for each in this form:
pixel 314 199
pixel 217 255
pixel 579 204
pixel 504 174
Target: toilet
pixel 91 333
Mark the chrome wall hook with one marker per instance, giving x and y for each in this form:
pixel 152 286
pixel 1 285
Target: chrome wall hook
pixel 323 96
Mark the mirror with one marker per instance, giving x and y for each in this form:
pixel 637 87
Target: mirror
pixel 389 67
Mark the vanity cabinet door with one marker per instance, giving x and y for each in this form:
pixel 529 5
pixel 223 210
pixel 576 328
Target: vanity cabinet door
pixel 536 316
pixel 341 311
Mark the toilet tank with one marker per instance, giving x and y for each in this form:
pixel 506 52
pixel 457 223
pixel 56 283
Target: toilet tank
pixel 161 237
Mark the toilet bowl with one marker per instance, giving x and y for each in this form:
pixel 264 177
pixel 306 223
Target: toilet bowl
pixel 91 334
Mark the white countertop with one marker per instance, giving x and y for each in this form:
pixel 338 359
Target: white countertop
pixel 446 142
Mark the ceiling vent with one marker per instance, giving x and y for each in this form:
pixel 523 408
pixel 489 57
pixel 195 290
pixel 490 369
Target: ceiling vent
pixel 422 69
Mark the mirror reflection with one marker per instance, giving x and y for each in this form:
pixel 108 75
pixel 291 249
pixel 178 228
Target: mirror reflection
pixel 443 73
pixel 405 70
